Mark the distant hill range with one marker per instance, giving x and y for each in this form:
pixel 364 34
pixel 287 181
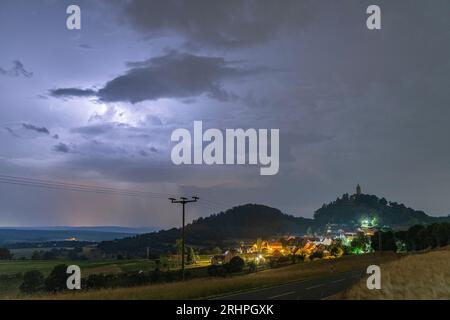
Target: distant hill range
pixel 252 221
pixel 46 234
pixel 248 221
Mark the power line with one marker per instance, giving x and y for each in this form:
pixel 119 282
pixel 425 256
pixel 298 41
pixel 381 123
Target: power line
pixel 52 185
pixel 73 187
pixel 76 186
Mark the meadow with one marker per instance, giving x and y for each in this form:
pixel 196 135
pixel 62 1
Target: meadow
pixel 211 287
pixel 416 276
pixel 11 271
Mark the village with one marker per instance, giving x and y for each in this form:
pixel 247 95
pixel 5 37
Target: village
pixel 334 243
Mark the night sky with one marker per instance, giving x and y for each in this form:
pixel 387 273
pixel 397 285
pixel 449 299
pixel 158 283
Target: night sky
pixel 98 105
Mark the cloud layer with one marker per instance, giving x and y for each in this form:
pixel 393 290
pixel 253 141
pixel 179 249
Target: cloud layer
pixel 231 23
pixel 174 75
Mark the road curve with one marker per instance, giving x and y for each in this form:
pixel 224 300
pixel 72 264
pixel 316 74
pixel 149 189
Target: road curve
pixel 308 289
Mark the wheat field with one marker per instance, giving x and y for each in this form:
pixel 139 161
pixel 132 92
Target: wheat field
pixel 422 276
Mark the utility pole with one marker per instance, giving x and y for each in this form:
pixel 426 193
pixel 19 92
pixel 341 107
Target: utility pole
pixel 183 202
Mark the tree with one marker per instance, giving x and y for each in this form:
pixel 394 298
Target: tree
pixel 252 267
pixel 191 257
pixel 388 242
pixel 236 264
pixel 56 280
pixel 36 255
pixel 337 248
pixel 5 254
pixel 440 233
pixel 33 281
pixel 413 237
pixel 361 244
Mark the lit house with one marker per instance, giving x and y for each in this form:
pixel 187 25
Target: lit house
pixel 268 247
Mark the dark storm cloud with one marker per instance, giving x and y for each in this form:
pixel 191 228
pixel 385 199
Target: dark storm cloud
pixel 17 70
pixel 231 23
pixel 72 92
pixel 174 75
pixel 37 129
pixel 354 106
pixel 61 147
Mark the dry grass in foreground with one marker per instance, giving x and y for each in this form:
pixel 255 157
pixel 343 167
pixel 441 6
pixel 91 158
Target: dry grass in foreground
pixel 419 276
pixel 210 287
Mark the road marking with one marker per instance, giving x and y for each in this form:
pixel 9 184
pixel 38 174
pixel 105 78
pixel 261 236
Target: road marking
pixel 336 281
pixel 262 289
pixel 259 289
pixel 313 287
pixel 282 295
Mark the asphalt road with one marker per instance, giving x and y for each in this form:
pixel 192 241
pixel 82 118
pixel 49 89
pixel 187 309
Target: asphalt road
pixel 310 289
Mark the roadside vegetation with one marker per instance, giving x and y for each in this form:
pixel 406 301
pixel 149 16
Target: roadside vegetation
pixel 416 276
pixel 13 272
pixel 216 286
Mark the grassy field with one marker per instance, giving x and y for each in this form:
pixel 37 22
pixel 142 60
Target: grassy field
pixel 19 266
pixel 10 267
pixel 11 271
pixel 210 287
pixel 418 276
pixel 27 252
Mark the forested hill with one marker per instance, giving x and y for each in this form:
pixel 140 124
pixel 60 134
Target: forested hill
pixel 352 209
pixel 249 221
pixel 252 221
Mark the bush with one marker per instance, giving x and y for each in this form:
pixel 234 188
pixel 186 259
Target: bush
pixel 217 271
pixel 316 255
pixel 252 267
pixel 236 264
pixel 156 276
pixel 99 281
pixel 57 279
pixel 33 281
pixel 137 278
pixel 5 254
pixel 273 263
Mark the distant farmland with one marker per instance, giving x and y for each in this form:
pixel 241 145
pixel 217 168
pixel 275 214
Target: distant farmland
pixel 9 236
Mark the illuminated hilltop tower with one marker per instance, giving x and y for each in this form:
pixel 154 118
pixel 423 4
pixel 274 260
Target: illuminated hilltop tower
pixel 358 190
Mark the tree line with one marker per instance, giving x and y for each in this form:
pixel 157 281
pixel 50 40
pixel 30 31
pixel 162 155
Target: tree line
pixel 416 238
